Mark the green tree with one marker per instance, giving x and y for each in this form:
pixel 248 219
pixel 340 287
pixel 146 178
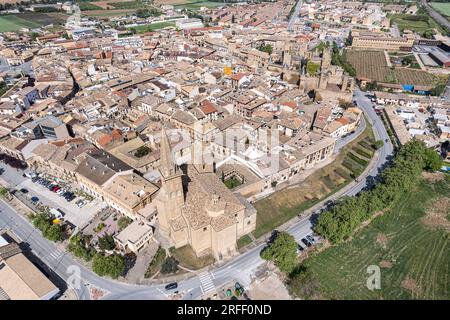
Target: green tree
pixel 378 144
pixel 303 283
pixel 142 151
pixel 265 48
pixel 106 242
pixel 282 251
pixel 170 265
pixel 339 222
pixel 3 192
pixel 406 61
pixel 371 86
pixel 124 222
pixel 44 223
pixel 432 161
pixel 113 265
pixel 54 233
pixel 312 68
pixel 80 246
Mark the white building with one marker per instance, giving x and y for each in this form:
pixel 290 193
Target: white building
pixel 189 23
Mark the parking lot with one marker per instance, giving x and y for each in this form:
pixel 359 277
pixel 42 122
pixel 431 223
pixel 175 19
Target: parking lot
pixel 77 216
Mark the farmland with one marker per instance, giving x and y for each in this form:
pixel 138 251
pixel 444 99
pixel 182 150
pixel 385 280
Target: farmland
pixel 29 20
pixel 419 23
pixel 372 65
pixel 13 23
pixel 107 13
pixel 411 248
pixel 152 27
pixel 197 4
pixel 442 7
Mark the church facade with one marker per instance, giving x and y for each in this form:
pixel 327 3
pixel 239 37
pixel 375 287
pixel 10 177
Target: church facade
pixel 195 208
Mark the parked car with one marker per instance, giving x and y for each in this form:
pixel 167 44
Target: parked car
pixel 310 238
pixel 306 242
pixel 172 286
pixel 273 236
pixel 81 203
pixel 30 174
pixel 34 199
pixel 23 190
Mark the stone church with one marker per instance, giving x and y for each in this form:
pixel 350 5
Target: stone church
pixel 196 208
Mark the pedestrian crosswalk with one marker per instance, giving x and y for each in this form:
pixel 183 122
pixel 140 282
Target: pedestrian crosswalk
pixel 207 285
pixel 52 256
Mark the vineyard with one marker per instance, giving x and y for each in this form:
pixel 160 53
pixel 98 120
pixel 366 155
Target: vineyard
pixel 372 66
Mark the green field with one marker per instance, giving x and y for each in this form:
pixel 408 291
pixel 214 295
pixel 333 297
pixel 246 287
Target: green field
pixel 442 7
pixel 86 6
pixel 243 241
pixel 13 23
pixel 232 183
pixel 419 23
pixel 127 5
pixel 196 4
pixel 152 27
pixel 107 13
pixel 414 258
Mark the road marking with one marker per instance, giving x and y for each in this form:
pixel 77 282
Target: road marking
pixel 207 285
pixel 165 294
pixel 57 254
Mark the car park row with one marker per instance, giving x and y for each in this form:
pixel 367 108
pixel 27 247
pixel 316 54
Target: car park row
pixel 63 192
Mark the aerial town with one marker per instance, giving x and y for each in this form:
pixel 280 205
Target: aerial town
pixel 229 150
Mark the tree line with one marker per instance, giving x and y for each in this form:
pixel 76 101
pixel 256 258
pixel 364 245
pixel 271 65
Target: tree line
pixel 338 223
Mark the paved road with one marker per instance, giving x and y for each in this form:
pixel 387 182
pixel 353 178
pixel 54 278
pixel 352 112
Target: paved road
pixel 436 15
pixel 342 142
pixel 294 16
pixel 240 268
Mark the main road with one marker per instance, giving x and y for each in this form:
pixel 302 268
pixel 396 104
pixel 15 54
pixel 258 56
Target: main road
pixel 240 268
pixel 436 15
pixel 294 16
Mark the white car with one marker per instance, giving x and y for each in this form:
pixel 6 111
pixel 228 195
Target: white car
pixel 60 191
pixel 81 204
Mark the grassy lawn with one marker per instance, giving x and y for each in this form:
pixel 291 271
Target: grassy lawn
pixel 232 183
pixel 443 8
pixel 414 258
pixel 156 263
pixel 243 241
pixel 197 4
pixel 187 258
pixel 127 5
pixel 107 13
pixel 10 23
pixel 85 6
pixel 408 22
pixel 283 205
pixel 153 27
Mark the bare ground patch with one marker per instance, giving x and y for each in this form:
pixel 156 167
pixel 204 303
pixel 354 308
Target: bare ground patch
pixel 385 264
pixel 433 176
pixel 411 285
pixel 437 214
pixel 382 240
